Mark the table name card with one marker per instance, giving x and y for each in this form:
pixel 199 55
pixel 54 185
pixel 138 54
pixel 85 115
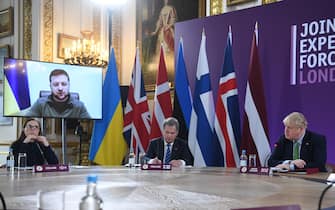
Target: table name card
pixel 255 170
pixel 50 168
pixel 156 167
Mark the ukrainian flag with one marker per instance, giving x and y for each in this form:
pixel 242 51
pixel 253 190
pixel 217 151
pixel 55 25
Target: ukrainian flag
pixel 16 87
pixel 108 146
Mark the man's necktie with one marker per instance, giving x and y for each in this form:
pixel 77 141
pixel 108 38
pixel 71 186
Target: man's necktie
pixel 296 150
pixel 168 154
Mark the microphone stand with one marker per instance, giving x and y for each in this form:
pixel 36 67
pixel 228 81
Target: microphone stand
pixel 330 184
pixel 79 132
pixel 42 153
pixel 3 201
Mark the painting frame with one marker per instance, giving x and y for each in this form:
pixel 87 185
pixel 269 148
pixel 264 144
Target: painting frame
pixel 64 41
pixel 147 35
pixel 4 52
pixel 237 2
pixel 4 121
pixel 7 22
pixel 216 7
pixel 269 1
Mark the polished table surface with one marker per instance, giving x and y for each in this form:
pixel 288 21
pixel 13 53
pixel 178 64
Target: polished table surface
pixel 188 188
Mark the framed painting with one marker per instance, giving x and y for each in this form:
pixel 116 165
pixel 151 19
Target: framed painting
pixel 236 2
pixel 4 52
pixel 64 41
pixel 155 27
pixel 6 22
pixel 3 120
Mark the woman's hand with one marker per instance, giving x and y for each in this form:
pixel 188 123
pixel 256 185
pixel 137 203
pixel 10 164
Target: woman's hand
pixel 29 139
pixel 43 140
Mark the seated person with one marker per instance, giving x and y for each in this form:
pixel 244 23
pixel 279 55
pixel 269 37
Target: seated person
pixel 35 145
pixel 169 149
pixel 299 148
pixel 60 103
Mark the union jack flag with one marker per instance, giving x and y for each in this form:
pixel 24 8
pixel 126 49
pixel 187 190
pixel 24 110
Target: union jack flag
pixel 227 114
pixel 136 127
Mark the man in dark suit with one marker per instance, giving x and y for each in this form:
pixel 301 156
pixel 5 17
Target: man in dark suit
pixel 299 148
pixel 169 149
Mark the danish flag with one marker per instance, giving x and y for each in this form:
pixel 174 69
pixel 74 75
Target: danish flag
pixel 162 100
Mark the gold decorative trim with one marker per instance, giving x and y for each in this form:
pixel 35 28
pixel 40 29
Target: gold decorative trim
pixel 47 30
pixel 268 1
pixel 216 7
pixel 116 36
pixel 27 34
pixel 236 2
pixel 96 24
pixel 202 8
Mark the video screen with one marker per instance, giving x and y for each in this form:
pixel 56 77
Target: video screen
pixel 51 90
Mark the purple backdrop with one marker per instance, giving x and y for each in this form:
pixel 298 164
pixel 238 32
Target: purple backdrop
pixel 275 21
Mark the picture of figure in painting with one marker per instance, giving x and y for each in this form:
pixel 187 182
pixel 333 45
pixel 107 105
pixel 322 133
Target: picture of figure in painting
pixel 157 27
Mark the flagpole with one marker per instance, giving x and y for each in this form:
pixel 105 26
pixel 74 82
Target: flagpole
pixel 256 32
pixel 230 34
pixel 131 149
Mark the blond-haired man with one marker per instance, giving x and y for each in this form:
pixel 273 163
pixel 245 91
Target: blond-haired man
pixel 299 148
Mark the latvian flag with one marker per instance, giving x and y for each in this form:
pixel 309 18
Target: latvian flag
pixel 255 127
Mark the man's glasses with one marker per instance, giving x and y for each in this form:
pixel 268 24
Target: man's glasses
pixel 33 126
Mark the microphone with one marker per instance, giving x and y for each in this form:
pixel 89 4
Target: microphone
pixel 79 130
pixel 41 152
pixel 158 150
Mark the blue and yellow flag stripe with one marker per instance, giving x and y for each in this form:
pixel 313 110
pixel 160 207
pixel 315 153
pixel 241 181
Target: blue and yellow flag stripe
pixel 108 146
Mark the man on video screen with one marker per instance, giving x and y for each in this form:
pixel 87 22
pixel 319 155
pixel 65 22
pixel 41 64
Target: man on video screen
pixel 60 103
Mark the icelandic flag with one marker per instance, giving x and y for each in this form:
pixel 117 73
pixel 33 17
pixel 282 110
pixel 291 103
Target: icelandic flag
pixel 162 100
pixel 227 113
pixel 136 127
pixel 182 104
pixel 202 141
pixel 255 126
pixel 108 146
